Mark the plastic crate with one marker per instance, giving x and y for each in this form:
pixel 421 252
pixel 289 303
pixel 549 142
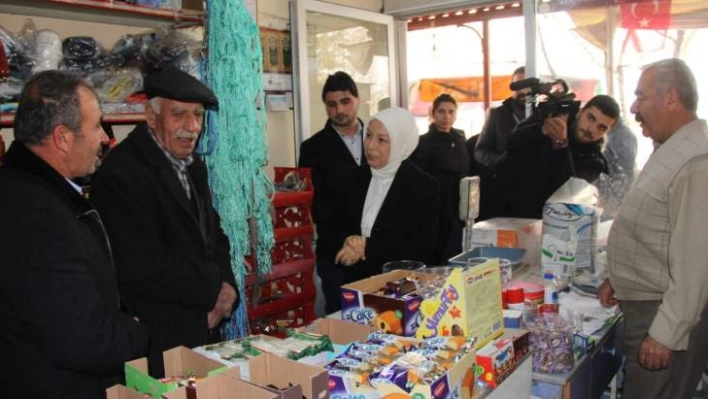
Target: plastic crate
pixel 289 315
pixel 284 282
pixel 292 244
pixel 292 208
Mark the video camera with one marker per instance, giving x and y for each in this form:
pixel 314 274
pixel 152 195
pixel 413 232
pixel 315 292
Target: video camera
pixel 547 98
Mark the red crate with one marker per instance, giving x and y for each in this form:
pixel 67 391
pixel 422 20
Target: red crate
pixel 292 244
pixel 288 315
pixel 284 282
pixel 292 209
pixel 285 298
pixel 280 173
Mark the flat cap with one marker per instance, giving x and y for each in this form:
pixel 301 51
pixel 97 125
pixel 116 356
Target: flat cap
pixel 177 85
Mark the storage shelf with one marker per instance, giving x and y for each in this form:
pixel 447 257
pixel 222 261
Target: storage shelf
pixel 100 11
pixel 6 119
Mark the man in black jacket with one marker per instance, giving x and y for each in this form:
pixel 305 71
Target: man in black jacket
pixel 330 153
pixel 62 332
pixel 542 155
pixel 491 144
pixel 172 257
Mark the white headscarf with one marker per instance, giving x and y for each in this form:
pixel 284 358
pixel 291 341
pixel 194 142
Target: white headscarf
pixel 403 134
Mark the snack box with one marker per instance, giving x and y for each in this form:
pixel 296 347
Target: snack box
pixel 469 304
pixel 341 333
pixel 178 361
pixel 362 304
pixel 457 382
pixel 496 361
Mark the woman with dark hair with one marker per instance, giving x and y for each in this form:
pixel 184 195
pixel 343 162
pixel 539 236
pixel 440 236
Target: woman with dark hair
pixel 442 153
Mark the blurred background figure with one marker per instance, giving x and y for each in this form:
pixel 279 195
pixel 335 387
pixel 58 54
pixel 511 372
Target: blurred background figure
pixel 442 152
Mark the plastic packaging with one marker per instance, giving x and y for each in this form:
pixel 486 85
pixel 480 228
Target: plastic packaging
pixel 48 51
pixel 551 340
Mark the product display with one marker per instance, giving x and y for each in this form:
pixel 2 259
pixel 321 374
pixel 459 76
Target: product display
pixel 391 363
pixel 551 343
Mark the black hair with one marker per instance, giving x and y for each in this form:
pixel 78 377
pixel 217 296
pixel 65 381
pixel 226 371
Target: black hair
pixel 49 98
pixel 443 98
pixel 521 69
pixel 606 104
pixel 339 81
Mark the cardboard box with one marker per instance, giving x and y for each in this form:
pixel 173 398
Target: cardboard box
pixel 361 304
pixel 341 333
pixel 222 386
pixel 510 233
pixel 123 392
pixel 270 369
pixel 458 382
pixel 496 361
pixel 177 361
pixel 469 305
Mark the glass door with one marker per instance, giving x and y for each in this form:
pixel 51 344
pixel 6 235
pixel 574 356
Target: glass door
pixel 328 38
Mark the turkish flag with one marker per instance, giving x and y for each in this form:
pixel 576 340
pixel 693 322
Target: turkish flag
pixel 652 14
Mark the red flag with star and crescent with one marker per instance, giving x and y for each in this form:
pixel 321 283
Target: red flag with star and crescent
pixel 652 14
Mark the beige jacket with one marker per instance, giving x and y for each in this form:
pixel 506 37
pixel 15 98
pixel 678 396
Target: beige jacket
pixel 658 244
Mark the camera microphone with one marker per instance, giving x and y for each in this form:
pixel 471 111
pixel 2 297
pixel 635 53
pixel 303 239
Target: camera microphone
pixel 524 83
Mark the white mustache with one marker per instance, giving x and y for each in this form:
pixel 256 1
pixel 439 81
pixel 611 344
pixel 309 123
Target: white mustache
pixel 182 134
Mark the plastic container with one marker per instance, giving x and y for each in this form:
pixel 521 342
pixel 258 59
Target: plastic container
pixel 410 265
pixel 515 298
pixel 550 291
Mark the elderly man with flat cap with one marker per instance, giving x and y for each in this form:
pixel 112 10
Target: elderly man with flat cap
pixel 172 257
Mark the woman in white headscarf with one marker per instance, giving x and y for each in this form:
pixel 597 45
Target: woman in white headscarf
pixel 392 205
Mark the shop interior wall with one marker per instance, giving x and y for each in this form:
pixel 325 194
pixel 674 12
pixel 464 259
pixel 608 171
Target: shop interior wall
pixel 274 14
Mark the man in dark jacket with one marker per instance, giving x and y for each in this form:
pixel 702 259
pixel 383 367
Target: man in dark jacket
pixel 544 154
pixel 62 332
pixel 501 120
pixel 330 153
pixel 172 258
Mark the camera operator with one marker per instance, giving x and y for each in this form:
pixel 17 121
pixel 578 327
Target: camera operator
pixel 543 152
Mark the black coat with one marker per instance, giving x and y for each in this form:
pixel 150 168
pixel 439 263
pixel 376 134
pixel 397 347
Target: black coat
pixel 62 334
pixel 406 225
pixel 492 142
pixel 330 160
pixel 444 156
pixel 171 254
pixel 533 170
